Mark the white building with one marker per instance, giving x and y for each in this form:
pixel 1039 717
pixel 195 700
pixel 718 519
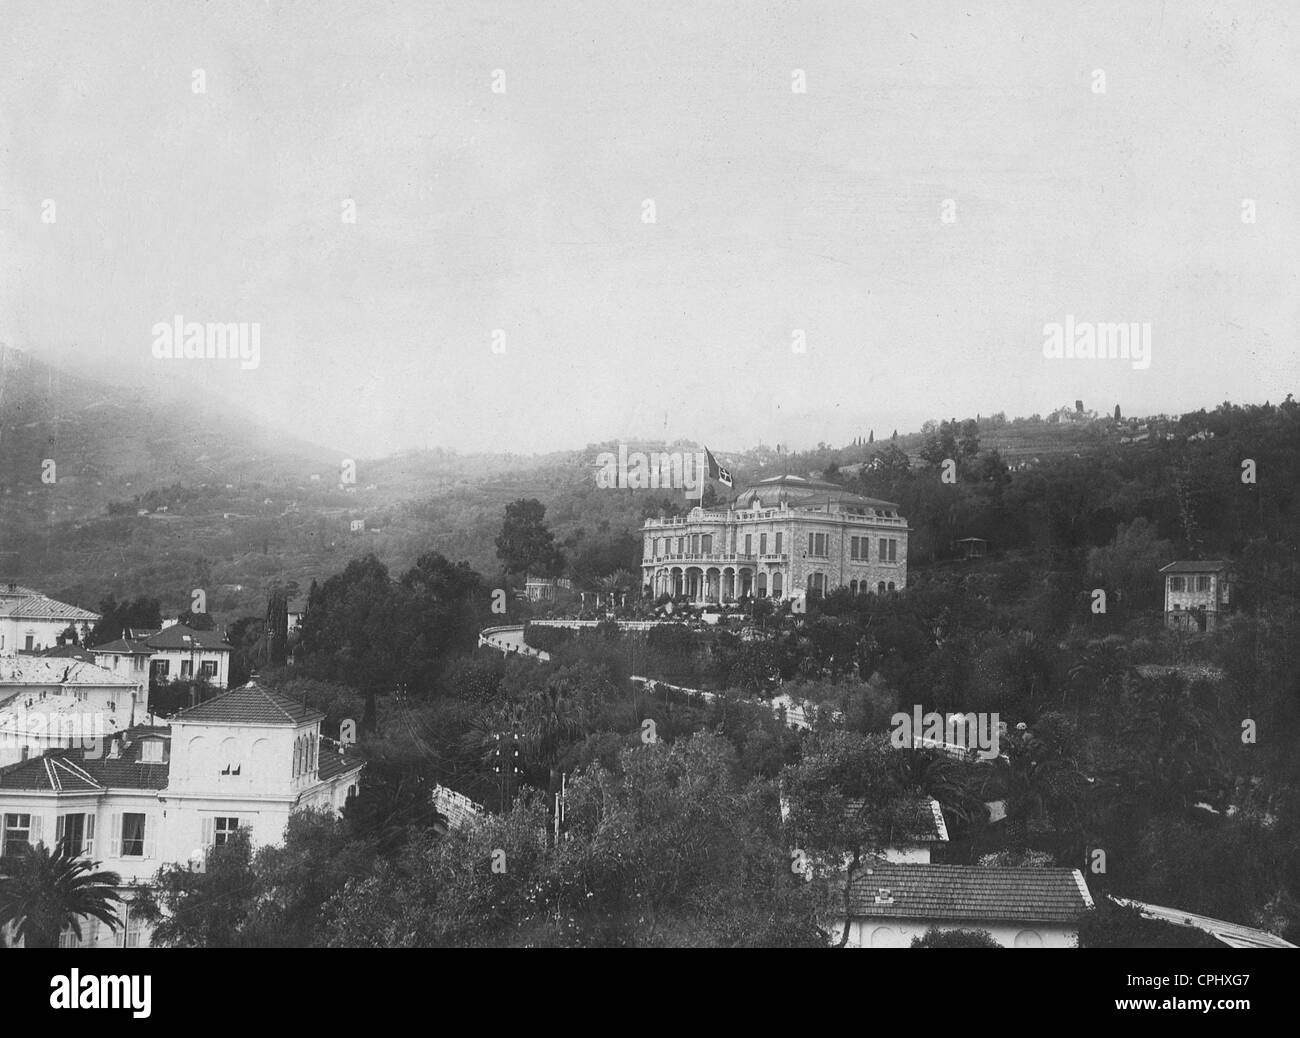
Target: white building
pixel 782 537
pixel 165 795
pixel 891 903
pixel 48 702
pixel 30 621
pixel 181 652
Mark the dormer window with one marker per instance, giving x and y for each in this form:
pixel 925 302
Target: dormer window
pixel 884 896
pixel 151 751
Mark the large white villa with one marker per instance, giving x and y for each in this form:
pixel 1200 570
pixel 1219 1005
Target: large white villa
pixel 782 537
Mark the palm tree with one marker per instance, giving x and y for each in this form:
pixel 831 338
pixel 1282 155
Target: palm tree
pixel 42 893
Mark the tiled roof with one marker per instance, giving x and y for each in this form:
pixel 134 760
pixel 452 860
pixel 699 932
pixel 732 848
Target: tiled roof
pixel 178 636
pixel 51 670
pixel 36 606
pixel 250 704
pixel 969 893
pixel 68 770
pixel 331 762
pixel 927 826
pixel 125 647
pixel 1208 566
pixel 68 652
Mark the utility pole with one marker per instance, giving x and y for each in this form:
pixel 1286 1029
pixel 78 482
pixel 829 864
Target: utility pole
pixel 505 763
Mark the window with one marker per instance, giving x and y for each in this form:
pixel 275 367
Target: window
pixel 17 834
pixel 818 544
pixel 891 585
pixel 695 544
pixel 187 668
pixel 76 833
pixel 888 549
pixel 224 830
pixel 29 640
pixel 706 543
pixel 1203 583
pixel 1175 583
pixel 880 588
pixel 151 751
pixel 161 668
pixel 778 544
pixel 133 836
pixel 762 544
pixel 749 544
pixel 138 662
pixel 208 668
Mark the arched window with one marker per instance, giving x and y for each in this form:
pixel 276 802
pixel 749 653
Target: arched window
pixel 776 585
pixel 880 588
pixel 297 757
pixel 891 585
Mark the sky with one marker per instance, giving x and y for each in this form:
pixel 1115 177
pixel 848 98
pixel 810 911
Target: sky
pixel 882 247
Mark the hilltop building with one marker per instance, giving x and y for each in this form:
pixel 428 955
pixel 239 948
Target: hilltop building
pixel 782 537
pixel 1196 594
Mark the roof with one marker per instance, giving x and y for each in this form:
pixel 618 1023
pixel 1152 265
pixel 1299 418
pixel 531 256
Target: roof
pixel 250 704
pixel 26 604
pixel 179 636
pixel 68 770
pixel 125 647
pixel 54 670
pixel 801 492
pixel 330 762
pixel 928 825
pixel 68 652
pixel 970 893
pixel 54 716
pixel 1234 935
pixel 1190 566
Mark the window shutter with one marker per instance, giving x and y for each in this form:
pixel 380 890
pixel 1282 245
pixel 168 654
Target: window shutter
pixel 115 836
pixel 90 836
pixel 208 832
pixel 150 836
pixel 36 832
pixel 60 824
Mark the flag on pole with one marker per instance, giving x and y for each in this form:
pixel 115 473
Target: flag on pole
pixel 716 471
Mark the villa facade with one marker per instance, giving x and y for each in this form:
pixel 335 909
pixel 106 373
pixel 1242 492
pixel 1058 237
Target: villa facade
pixel 783 537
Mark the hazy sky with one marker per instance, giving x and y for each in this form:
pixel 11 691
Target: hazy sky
pixel 774 210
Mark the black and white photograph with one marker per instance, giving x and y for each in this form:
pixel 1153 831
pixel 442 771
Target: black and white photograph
pixel 650 474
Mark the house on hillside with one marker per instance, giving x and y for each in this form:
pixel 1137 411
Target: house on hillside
pixel 1196 594
pixel 973 547
pixel 164 795
pixel 892 903
pixel 31 621
pixel 182 652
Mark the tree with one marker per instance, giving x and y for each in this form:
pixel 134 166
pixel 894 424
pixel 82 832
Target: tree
pixel 277 626
pixel 203 909
pixel 1117 414
pixel 871 436
pixel 525 545
pixel 44 892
